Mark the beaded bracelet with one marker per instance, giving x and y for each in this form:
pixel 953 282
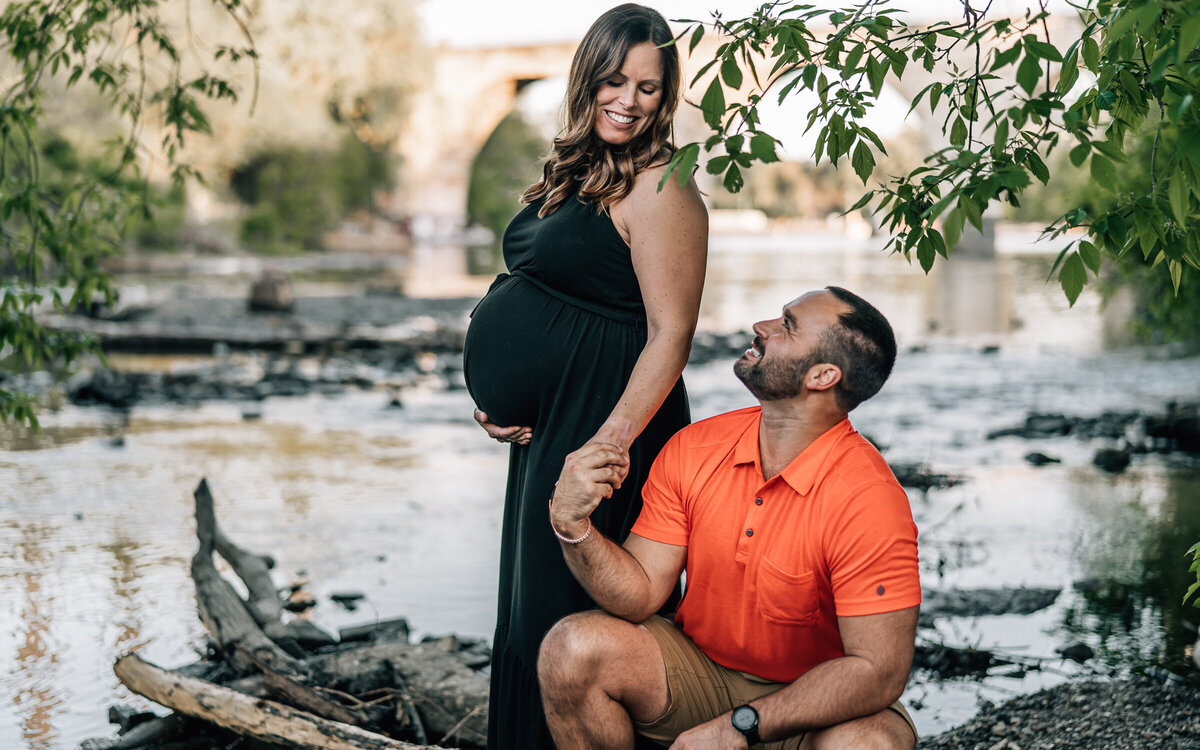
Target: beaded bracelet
pixel 567 540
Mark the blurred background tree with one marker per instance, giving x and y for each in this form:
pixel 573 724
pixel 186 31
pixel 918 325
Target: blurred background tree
pixel 508 163
pixel 114 110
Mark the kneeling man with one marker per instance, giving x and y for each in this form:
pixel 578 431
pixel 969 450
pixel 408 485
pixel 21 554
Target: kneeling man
pixel 797 625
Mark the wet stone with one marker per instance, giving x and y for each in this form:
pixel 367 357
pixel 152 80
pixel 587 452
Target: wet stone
pixel 1112 460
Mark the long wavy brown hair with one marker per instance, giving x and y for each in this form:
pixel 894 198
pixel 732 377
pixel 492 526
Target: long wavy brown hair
pixel 607 172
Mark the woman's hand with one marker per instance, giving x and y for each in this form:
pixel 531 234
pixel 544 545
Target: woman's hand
pixel 518 435
pixel 618 440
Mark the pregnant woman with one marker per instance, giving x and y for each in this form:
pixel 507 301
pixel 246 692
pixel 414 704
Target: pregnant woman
pixel 585 339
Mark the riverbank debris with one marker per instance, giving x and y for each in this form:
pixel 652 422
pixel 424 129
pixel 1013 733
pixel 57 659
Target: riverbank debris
pixel 295 686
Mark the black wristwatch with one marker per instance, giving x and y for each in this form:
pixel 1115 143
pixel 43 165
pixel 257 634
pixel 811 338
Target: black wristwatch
pixel 745 720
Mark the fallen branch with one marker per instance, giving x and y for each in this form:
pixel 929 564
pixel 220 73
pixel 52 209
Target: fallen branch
pixel 223 612
pixel 262 719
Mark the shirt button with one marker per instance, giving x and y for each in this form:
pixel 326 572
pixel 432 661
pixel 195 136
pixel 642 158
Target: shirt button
pixel 749 532
pixel 758 501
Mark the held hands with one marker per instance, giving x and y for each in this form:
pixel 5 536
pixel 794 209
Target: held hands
pixel 615 438
pixel 589 475
pixel 518 435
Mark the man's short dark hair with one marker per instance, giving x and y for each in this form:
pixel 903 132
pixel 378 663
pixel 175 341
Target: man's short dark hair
pixel 863 346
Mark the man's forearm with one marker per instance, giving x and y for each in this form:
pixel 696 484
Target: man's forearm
pixel 611 576
pixel 830 693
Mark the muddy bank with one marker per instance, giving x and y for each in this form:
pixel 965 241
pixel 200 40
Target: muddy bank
pixel 1134 714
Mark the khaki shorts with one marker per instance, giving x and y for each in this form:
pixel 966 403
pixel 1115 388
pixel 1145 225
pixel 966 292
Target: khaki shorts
pixel 701 689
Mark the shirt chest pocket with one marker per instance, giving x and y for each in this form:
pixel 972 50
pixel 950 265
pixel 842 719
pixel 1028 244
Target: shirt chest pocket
pixel 786 598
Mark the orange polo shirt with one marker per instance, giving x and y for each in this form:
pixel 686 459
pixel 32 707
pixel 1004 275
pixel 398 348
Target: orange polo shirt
pixel 772 564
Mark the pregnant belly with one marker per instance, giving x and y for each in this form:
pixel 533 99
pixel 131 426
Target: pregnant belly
pixel 509 353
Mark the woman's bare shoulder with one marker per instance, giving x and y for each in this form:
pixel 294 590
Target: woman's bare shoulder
pixel 650 190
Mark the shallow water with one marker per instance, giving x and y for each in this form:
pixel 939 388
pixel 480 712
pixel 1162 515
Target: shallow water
pixel 403 504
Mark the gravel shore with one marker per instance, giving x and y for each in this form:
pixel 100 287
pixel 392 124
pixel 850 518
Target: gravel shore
pixel 1134 714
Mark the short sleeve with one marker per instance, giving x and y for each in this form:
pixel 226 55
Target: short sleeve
pixel 872 553
pixel 664 516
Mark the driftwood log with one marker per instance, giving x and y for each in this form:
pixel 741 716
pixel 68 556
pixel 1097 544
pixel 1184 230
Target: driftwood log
pixel 341 696
pixel 226 616
pixel 263 719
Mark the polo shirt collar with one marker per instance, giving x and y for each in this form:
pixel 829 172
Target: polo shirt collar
pixel 805 469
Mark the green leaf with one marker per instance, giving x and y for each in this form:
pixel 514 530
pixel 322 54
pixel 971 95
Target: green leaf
pixel 1176 269
pixel 717 164
pixel 1189 37
pixel 1091 54
pixel 1103 172
pixel 733 179
pixel 1090 255
pixel 1068 75
pixel 1079 154
pixel 1073 277
pixel 697 35
pixel 1000 137
pixel 1180 197
pixel 876 71
pixel 925 253
pixel 1037 167
pixel 762 146
pixel 713 104
pixel 731 73
pixel 958 132
pixel 952 228
pixel 862 161
pixel 1044 50
pixel 1007 57
pixel 687 162
pixel 1028 73
pixel 972 210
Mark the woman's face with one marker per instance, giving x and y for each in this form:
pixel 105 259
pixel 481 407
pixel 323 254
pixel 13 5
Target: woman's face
pixel 627 100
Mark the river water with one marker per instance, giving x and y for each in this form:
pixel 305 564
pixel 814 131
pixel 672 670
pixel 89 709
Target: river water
pixel 403 504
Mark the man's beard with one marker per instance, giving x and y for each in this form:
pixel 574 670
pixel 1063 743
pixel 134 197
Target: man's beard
pixel 774 380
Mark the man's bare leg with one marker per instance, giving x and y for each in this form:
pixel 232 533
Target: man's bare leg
pixel 598 672
pixel 885 730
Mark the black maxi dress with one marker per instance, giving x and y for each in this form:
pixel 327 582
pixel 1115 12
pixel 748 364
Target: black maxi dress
pixel 552 346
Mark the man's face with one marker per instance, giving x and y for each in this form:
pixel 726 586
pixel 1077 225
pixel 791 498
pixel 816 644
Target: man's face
pixel 777 364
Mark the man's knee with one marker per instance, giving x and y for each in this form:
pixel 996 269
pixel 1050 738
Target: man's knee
pixel 886 730
pixel 574 648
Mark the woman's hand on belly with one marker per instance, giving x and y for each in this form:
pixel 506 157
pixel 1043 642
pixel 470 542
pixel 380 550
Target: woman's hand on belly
pixel 519 435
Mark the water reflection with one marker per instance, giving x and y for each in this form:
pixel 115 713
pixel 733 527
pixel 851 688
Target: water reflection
pixel 36 671
pixel 1134 574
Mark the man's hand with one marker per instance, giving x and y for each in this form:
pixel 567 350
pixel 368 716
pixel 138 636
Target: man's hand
pixel 588 476
pixel 519 435
pixel 717 734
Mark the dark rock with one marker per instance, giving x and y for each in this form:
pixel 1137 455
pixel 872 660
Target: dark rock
pixel 1112 460
pixel 1041 459
pixel 127 717
pixel 919 477
pixel 1077 652
pixel 1179 428
pixel 271 292
pixel 1036 426
pixel 308 635
pixel 384 630
pixel 948 661
pixel 347 599
pixel 979 602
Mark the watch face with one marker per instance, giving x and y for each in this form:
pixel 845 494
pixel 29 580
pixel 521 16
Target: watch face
pixel 744 718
